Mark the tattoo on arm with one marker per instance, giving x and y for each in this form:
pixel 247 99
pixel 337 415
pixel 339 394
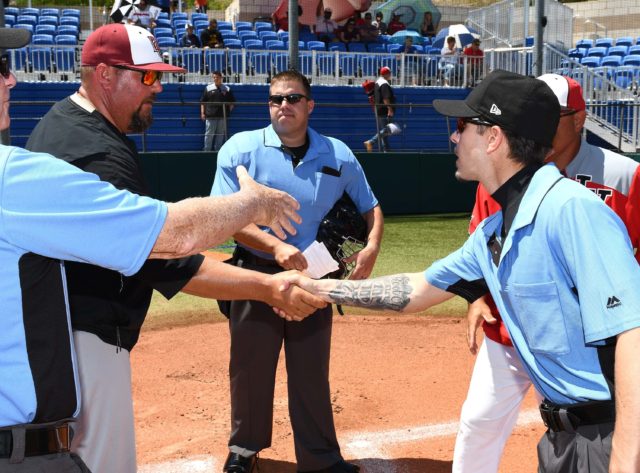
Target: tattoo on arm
pixel 386 293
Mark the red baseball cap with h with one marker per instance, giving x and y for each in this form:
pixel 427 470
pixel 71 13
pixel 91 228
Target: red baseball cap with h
pixel 567 90
pixel 117 44
pixel 385 70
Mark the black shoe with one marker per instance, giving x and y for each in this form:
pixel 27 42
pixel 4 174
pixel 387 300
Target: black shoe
pixel 237 463
pixel 340 467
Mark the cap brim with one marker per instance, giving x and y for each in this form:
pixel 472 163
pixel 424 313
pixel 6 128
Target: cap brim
pixel 156 66
pixel 454 108
pixel 11 38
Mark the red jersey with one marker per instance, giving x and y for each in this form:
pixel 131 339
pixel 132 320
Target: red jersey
pixel 615 178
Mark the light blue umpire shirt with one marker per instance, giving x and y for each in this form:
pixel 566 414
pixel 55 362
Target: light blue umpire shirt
pixel 327 170
pixel 566 282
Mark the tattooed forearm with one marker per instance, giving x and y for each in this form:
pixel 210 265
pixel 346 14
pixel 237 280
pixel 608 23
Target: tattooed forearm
pixel 386 293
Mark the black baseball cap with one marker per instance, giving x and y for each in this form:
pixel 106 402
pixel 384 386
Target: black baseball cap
pixel 12 38
pixel 519 104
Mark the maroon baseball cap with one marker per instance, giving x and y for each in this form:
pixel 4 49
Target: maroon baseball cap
pixel 117 44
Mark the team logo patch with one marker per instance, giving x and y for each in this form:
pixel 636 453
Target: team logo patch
pixel 613 302
pixel 154 43
pixel 495 110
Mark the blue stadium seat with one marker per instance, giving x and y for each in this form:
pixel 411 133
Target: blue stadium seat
pixel 391 62
pixel 65 58
pixel 229 34
pixel 624 76
pixel 199 17
pixel 584 43
pixel 377 48
pixel 326 63
pixel 167 42
pixel 234 59
pixel 301 45
pixel 192 60
pixel 316 46
pixel 48 20
pixel 634 49
pixel 243 25
pixel 576 53
pixel 394 48
pixel 163 15
pixel 598 51
pixel 624 41
pixel 621 51
pixel 275 45
pixel 42 39
pixel 200 24
pixel 248 35
pixel 11 11
pixel 163 23
pixel 50 12
pixel 179 24
pixel 9 20
pixel 604 42
pixel 71 12
pixel 224 25
pixel 69 20
pixel 631 60
pixel 24 26
pixel 267 35
pixel 27 20
pixel 349 65
pixel 233 43
pixel 337 47
pixel 357 47
pixel 253 44
pixel 178 16
pixel 18 58
pixel 611 61
pixel 163 32
pixel 261 63
pixel 283 35
pixel 305 63
pixel 69 29
pixel 45 29
pixel 369 65
pixel 280 61
pixel 215 60
pixel 30 11
pixel 40 58
pixel 66 39
pixel 590 61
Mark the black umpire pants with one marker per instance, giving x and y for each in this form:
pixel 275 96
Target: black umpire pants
pixel 257 335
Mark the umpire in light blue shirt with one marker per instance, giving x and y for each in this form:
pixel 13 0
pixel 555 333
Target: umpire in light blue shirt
pixel 558 263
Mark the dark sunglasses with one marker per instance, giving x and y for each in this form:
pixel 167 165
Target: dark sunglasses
pixel 291 98
pixel 148 77
pixel 566 112
pixel 462 123
pixel 5 70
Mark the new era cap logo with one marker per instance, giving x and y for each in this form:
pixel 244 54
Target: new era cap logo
pixel 495 110
pixel 612 302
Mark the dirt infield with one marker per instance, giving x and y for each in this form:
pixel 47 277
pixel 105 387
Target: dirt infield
pixel 397 386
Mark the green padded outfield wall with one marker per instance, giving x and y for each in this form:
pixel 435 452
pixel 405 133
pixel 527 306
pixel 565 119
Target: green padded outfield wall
pixel 404 183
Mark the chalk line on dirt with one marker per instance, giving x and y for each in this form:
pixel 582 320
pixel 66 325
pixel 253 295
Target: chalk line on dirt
pixel 371 449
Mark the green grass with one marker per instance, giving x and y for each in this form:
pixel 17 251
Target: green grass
pixel 410 244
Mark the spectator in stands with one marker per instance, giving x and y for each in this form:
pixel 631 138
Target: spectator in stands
pixel 349 34
pixel 395 25
pixel 211 37
pixel 144 15
pixel 189 38
pixel 201 6
pixel 408 47
pixel 368 31
pixel 357 18
pixel 325 28
pixel 379 24
pixel 448 64
pixel 384 100
pixel 215 112
pixel 475 57
pixel 427 28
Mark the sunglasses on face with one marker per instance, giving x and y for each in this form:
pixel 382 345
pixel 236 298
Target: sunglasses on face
pixel 5 70
pixel 291 98
pixel 566 112
pixel 148 77
pixel 462 123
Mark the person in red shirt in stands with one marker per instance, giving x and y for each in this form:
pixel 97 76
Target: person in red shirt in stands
pixel 395 25
pixel 475 57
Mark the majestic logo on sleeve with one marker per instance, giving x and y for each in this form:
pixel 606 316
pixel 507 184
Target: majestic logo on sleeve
pixel 613 302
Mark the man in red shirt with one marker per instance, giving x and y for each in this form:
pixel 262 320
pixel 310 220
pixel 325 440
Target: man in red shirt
pixel 473 56
pixel 499 383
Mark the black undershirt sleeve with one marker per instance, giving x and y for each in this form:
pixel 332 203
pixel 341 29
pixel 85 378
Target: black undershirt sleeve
pixel 469 290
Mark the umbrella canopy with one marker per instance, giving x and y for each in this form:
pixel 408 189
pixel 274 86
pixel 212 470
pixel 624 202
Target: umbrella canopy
pixel 121 9
pixel 399 36
pixel 463 35
pixel 411 12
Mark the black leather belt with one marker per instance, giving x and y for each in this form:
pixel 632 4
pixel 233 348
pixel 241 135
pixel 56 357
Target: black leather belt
pixel 567 418
pixel 248 257
pixel 41 441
